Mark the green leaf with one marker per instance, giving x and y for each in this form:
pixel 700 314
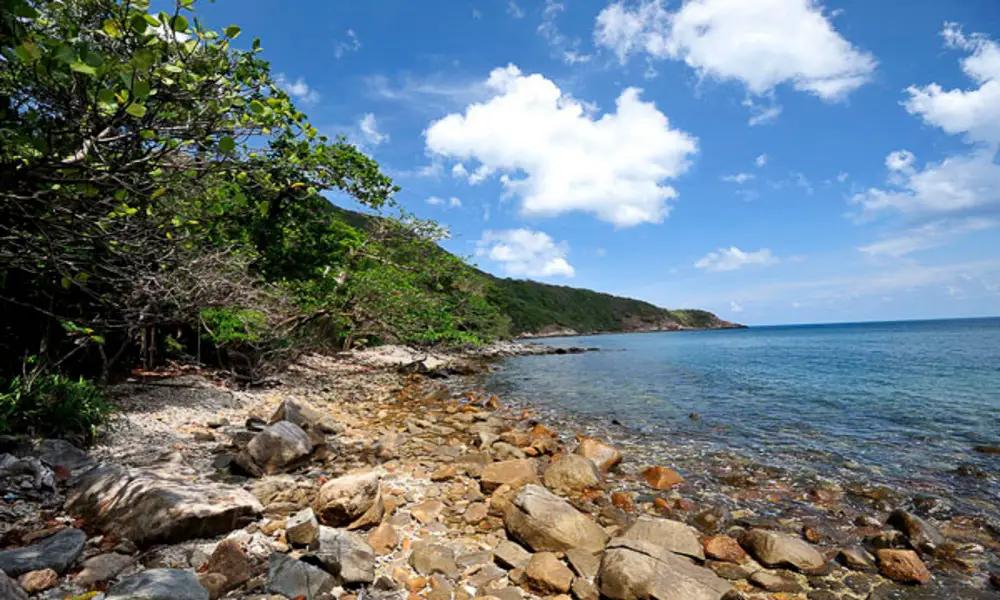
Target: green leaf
pixel 188 4
pixel 136 110
pixel 227 144
pixel 138 23
pixel 172 69
pixel 256 107
pixel 82 67
pixel 233 31
pixel 25 11
pixel 28 52
pixel 179 23
pixel 93 59
pixel 143 58
pixel 65 53
pixel 147 134
pixel 111 28
pixel 140 89
pixel 141 4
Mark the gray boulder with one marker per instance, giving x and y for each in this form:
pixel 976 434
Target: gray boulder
pixel 543 522
pixel 280 447
pixel 161 506
pixel 345 555
pixel 294 578
pixel 305 416
pixel 773 549
pixel 638 570
pixel 302 528
pixel 921 534
pixel 10 590
pixel 57 552
pixel 434 558
pixel 347 499
pixel 159 584
pixel 671 536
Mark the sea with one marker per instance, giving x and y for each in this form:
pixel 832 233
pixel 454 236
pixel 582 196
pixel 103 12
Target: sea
pixel 901 404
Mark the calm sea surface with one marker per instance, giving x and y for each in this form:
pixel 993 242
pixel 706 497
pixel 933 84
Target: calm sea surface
pixel 902 403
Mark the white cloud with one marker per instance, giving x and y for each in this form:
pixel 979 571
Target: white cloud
pixel 351 43
pixel 525 253
pixel 459 171
pixel 842 177
pixel 565 49
pixel 514 10
pixel 760 43
pixel 369 130
pixel 760 161
pixel 931 235
pixel 731 259
pixel 451 202
pixel 762 113
pixel 739 178
pixel 297 89
pixel 803 182
pixel 614 166
pixel 900 160
pixel 735 306
pixel 974 113
pixel 956 184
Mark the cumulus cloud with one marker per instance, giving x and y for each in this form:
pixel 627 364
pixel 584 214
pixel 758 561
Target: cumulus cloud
pixel 760 43
pixel 297 89
pixel 369 130
pixel 731 259
pixel 931 235
pixel 956 184
pixel 556 155
pixel 451 202
pixel 525 253
pixel 974 113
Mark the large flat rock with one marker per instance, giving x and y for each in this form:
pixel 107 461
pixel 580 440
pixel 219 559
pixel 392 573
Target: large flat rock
pixel 545 522
pixel 639 570
pixel 159 505
pixel 57 552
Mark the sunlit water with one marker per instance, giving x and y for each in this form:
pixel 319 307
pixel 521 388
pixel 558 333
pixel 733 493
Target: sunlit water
pixel 903 403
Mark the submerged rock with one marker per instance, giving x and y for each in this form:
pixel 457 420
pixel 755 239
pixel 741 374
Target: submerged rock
pixel 164 506
pixel 662 478
pixel 903 566
pixel 921 535
pixel 545 522
pixel 774 549
pixel 159 584
pixel 638 570
pixel 57 552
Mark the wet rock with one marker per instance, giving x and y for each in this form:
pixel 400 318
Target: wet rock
pixel 159 584
pixel 991 450
pixel 634 570
pixel 662 478
pixel 921 535
pixel 572 472
pixel 302 528
pixel 545 522
pixel 345 555
pixel 57 552
pixel 514 473
pixel 383 539
pixel 775 583
pixel 294 578
pixel 724 548
pixel 712 519
pixel 774 549
pixel 971 470
pixel 728 570
pixel 38 581
pixel 856 558
pixel 9 589
pixel 164 506
pixel 604 456
pixel 102 568
pixel 547 573
pixel 434 558
pixel 229 560
pixel 280 447
pixel 511 556
pixel 671 536
pixel 347 499
pixel 306 416
pixel 903 566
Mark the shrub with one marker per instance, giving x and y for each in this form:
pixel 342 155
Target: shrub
pixel 52 405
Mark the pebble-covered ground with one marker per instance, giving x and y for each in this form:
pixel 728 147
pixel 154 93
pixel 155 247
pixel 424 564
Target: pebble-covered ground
pixel 349 479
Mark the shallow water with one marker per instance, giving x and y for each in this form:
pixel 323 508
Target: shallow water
pixel 897 403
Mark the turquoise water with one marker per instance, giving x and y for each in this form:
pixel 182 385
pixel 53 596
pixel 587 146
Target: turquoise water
pixel 902 402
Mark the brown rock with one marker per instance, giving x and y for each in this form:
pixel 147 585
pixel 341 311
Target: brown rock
pixel 903 566
pixel 725 548
pixel 775 583
pixel 514 473
pixel 383 539
pixel 427 512
pixel 38 581
pixel 638 570
pixel 346 499
pixel 604 456
pixel 302 527
pixel 444 473
pixel 623 500
pixel 856 558
pixel 920 534
pixel 475 513
pixel 774 549
pixel 434 558
pixel 572 472
pixel 672 536
pixel 511 556
pixel 662 478
pixel 583 563
pixel 229 560
pixel 215 583
pixel 547 573
pixel 305 416
pixel 102 568
pixel 545 522
pixel 584 590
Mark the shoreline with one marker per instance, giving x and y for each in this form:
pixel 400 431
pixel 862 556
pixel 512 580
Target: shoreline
pixel 445 451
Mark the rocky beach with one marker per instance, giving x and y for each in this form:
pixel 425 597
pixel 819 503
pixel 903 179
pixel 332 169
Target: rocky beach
pixel 391 474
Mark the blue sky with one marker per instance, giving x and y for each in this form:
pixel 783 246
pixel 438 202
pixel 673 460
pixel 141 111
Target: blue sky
pixel 776 161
